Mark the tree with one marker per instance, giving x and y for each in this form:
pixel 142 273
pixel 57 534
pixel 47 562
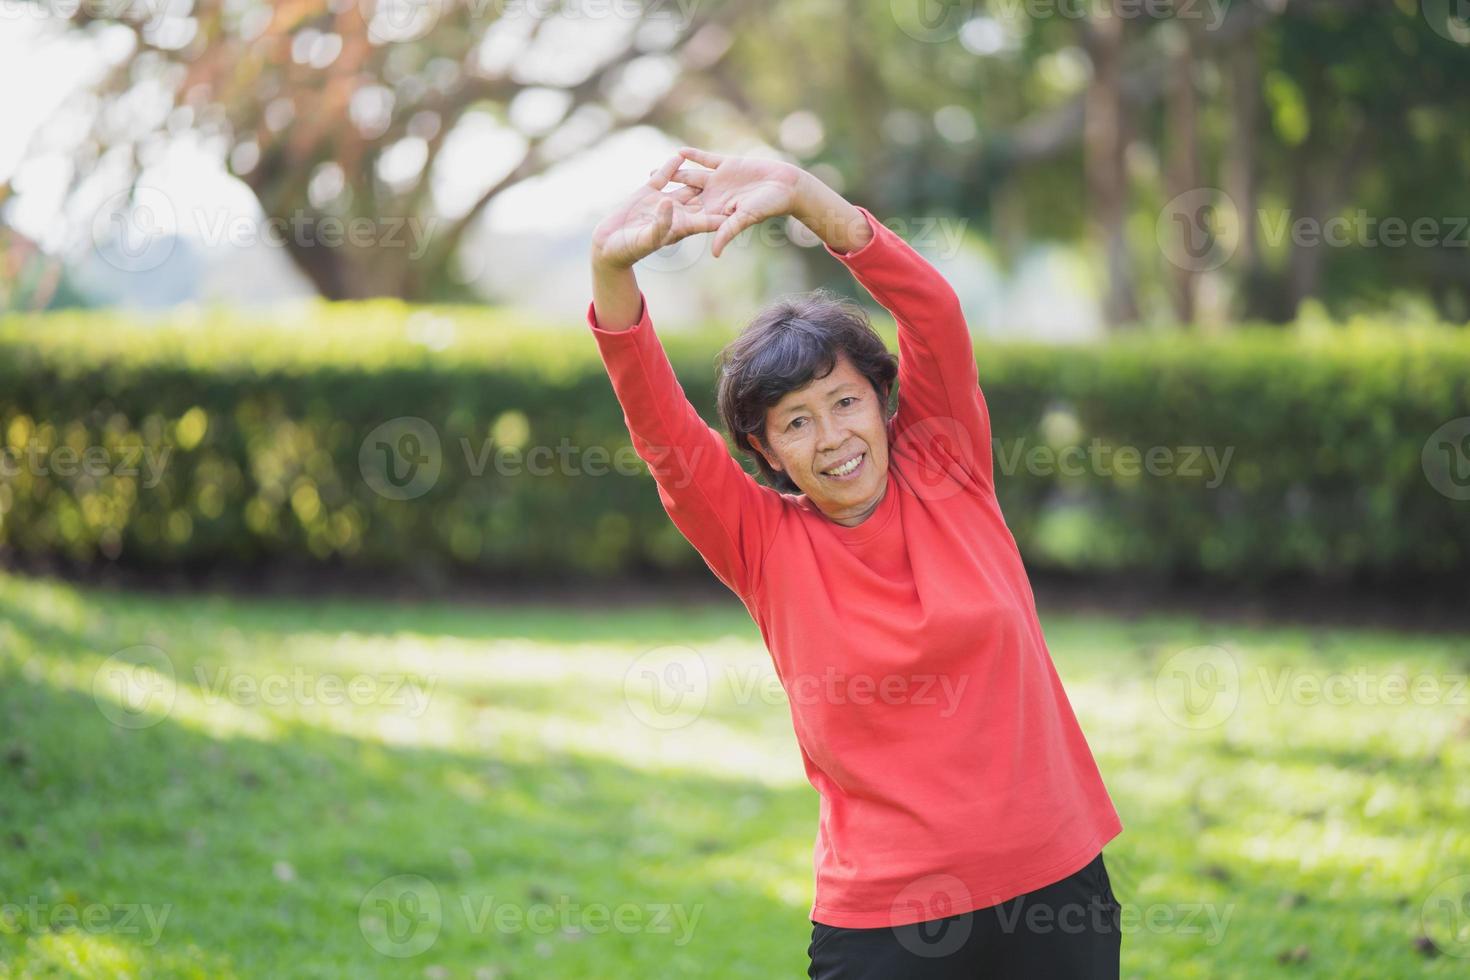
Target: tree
pixel 344 110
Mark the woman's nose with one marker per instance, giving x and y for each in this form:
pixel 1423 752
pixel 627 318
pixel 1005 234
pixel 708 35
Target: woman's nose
pixel 831 434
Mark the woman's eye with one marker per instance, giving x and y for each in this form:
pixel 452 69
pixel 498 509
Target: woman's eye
pixel 793 424
pixel 849 398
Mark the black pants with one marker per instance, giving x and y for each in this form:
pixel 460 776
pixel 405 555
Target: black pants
pixel 1068 930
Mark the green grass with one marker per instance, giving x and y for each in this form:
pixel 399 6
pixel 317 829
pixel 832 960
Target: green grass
pixel 256 835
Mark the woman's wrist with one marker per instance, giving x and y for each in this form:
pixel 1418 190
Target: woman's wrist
pixel 829 215
pixel 616 300
pixel 606 267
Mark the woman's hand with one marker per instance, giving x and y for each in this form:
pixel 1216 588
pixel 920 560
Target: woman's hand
pixel 649 219
pixel 740 191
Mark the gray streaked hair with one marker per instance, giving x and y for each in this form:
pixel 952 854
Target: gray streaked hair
pixel 788 344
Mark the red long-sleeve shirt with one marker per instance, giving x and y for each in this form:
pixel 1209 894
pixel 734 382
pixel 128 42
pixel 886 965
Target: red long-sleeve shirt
pixel 951 770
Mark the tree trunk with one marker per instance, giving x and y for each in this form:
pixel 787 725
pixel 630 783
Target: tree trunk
pixel 1325 170
pixel 1183 174
pixel 1104 143
pixel 1241 182
pixel 343 272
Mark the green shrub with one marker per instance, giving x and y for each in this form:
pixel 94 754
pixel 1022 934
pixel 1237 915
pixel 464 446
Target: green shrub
pixel 250 429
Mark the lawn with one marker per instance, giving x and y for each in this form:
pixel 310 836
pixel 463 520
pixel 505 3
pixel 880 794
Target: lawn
pixel 217 787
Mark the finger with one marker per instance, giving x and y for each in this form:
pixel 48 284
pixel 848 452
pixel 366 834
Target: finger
pixel 657 229
pixel 704 157
pixel 733 225
pixel 685 195
pixel 691 221
pixel 692 177
pixel 658 178
pixel 663 214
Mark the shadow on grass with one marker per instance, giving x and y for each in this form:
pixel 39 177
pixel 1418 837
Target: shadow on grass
pixel 270 853
pixel 263 855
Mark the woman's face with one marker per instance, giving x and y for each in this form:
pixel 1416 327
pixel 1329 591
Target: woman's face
pixel 823 425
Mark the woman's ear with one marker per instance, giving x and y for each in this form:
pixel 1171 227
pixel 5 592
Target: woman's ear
pixel 772 460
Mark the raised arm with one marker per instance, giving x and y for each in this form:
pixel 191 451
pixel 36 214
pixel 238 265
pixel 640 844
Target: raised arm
pixel 942 412
pixel 727 516
pixel 941 409
pixel 645 221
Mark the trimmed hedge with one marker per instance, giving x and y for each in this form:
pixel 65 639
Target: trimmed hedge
pixel 1321 439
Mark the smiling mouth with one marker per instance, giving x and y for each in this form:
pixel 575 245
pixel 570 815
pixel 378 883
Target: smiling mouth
pixel 847 468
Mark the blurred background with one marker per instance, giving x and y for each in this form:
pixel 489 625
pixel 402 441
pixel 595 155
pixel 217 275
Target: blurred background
pixel 343 633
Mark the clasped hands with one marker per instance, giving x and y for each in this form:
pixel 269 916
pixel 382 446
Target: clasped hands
pixel 731 195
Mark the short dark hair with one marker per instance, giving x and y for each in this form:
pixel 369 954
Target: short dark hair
pixel 790 342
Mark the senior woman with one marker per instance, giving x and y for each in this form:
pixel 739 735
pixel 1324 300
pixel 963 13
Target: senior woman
pixel 962 815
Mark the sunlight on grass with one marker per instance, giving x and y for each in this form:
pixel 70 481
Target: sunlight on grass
pixel 89 955
pixel 300 753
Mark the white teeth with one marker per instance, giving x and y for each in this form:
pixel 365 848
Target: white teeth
pixel 847 467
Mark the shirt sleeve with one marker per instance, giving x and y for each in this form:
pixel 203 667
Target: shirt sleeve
pixel 941 410
pixel 727 516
